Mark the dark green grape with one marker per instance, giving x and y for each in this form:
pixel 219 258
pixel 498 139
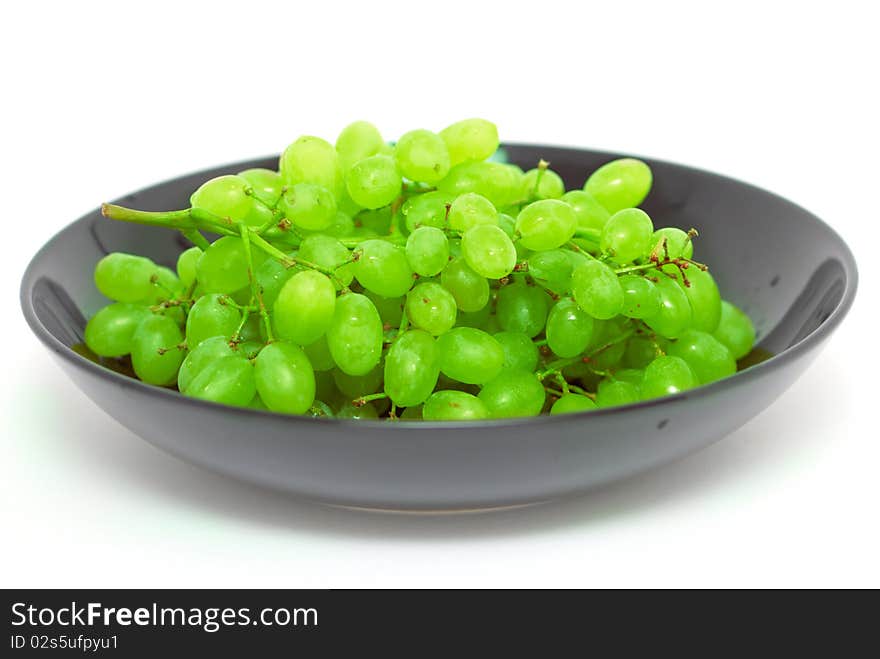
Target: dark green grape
pixel 211 316
pixel 735 330
pixel 569 329
pixel 125 277
pixel 355 335
pixel 383 269
pixel 470 290
pixel 551 269
pixel 705 300
pixel 470 355
pixel 329 253
pixel 628 235
pixel 519 351
pixel 570 403
pixel 390 308
pixel 223 267
pixel 355 386
pixel 304 307
pixel 674 316
pixel 513 393
pixel 319 355
pixel 155 355
pixel 228 380
pixel 522 308
pixel 271 276
pixel 612 393
pixel 454 406
pixel 640 297
pixel 186 265
pixel 431 307
pixel 709 359
pixel 411 368
pixel 666 376
pixel 284 378
pixel 207 352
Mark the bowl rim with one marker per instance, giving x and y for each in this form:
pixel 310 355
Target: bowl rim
pixel 740 378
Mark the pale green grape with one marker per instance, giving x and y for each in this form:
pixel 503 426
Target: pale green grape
pixel 267 185
pixel 470 139
pixel 470 355
pixel 355 386
pixel 223 267
pixel 109 332
pixel 678 243
pixel 546 184
pixel 612 393
pixel 309 206
pixel 411 368
pixel 390 308
pixel 228 380
pixel 186 265
pixel 627 235
pixel 431 307
pixel 450 405
pixel 319 355
pixel 374 182
pixel 383 268
pixel 312 160
pixel 735 330
pixel 590 213
pixel 488 251
pixel 640 297
pixel 571 403
pixel 546 224
pixel 284 378
pixel 224 197
pixel 427 210
pixel 125 277
pixel 357 141
pixel 210 316
pixel 207 352
pixel 500 184
pixel 305 307
pixel 355 335
pixel 155 356
pixel 513 393
pixel 620 184
pixel 522 308
pixel 569 329
pixel 427 250
pixel 329 253
pixel 469 210
pixel 271 276
pixel 597 290
pixel 422 156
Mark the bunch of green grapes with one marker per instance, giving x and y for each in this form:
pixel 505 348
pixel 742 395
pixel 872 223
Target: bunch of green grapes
pixel 424 279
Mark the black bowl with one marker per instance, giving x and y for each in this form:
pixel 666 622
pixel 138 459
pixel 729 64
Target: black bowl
pixel 794 276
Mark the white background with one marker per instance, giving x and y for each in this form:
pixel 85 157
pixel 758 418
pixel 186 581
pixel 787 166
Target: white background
pixel 99 100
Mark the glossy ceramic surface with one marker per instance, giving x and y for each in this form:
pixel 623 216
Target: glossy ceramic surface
pixel 792 274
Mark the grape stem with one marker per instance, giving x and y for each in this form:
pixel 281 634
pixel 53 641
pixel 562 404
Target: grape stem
pixel 256 289
pixel 180 220
pixel 363 400
pixel 291 261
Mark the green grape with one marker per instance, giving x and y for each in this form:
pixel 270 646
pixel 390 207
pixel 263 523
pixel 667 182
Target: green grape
pixel 546 224
pixel 569 329
pixel 628 235
pixel 542 184
pixel 355 335
pixel 312 160
pixel 470 355
pixel 164 285
pixel 125 277
pixel 383 268
pixel 634 376
pixel 520 353
pixel 374 182
pixel 155 356
pixel 109 332
pixel 355 386
pixel 431 307
pixel 469 210
pixel 357 141
pixel 735 330
pixel 207 352
pixel 470 139
pixel 570 403
pixel 500 184
pixel 411 368
pixel 267 185
pixel 210 316
pixel 411 414
pixel 703 296
pixel 620 184
pixel 224 197
pixel 608 346
pixel 186 265
pixel 478 319
pixel 426 210
pixel 309 206
pixel 325 387
pixel 551 269
pixel 590 213
pixel 377 220
pixel 271 276
pixel 639 352
pixel 709 359
pixel 305 307
pixel 488 251
pixel 596 289
pixel 612 393
pixel 640 297
pixel 285 379
pixel 513 393
pixel 350 411
pixel 666 376
pixel 453 405
pixel 329 253
pixel 228 380
pixel 522 308
pixel 223 267
pixel 427 250
pixel 422 156
pixel 678 243
pixel 390 308
pixel 319 355
pixel 674 316
pixel 342 226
